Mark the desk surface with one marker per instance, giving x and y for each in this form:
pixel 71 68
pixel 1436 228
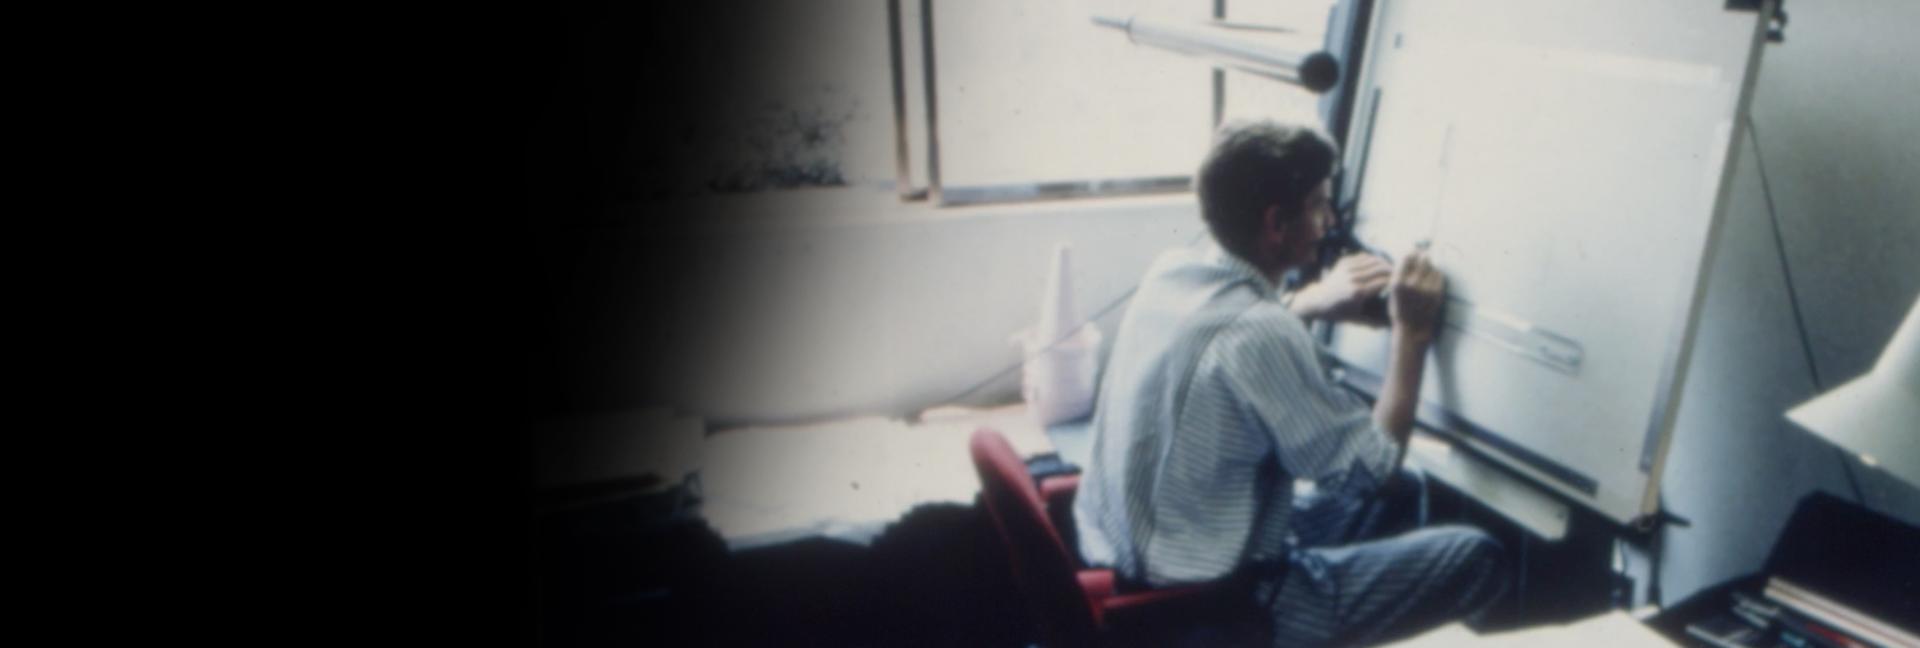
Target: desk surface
pixel 1614 629
pixel 846 479
pixel 1524 504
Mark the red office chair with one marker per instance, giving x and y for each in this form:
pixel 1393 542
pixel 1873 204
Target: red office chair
pixel 1072 606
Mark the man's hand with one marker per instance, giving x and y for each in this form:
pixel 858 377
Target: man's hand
pixel 1418 289
pixel 1342 292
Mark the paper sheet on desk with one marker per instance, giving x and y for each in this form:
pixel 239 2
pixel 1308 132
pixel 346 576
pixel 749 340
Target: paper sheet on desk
pixel 841 479
pixel 1615 629
pixel 1523 504
pixel 767 480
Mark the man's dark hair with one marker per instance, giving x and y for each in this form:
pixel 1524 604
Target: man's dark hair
pixel 1253 165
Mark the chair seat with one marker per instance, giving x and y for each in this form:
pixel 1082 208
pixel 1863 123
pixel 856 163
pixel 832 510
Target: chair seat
pixel 1097 583
pixel 1070 604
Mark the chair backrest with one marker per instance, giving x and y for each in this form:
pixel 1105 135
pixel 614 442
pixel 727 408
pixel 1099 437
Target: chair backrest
pixel 1043 569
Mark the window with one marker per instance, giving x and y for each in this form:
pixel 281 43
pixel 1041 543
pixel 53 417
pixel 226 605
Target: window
pixel 775 94
pixel 965 101
pixel 1030 95
pixel 1032 100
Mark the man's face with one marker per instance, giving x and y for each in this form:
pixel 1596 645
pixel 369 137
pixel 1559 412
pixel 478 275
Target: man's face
pixel 1303 233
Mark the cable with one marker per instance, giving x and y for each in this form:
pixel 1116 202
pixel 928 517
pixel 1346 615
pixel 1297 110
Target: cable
pixel 1623 573
pixel 1656 547
pixel 1793 297
pixel 1779 243
pixel 1050 345
pixel 1117 301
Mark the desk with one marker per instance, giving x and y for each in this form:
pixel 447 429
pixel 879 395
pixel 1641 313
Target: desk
pixel 1522 503
pixel 846 479
pixel 1513 498
pixel 1613 629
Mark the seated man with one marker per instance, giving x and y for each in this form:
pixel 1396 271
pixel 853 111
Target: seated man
pixel 1216 399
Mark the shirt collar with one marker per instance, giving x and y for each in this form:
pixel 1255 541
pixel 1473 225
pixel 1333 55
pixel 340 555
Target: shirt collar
pixel 1241 269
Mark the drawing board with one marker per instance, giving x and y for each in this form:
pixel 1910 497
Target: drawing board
pixel 1567 163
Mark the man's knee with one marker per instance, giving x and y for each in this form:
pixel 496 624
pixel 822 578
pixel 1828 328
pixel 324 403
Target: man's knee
pixel 1478 563
pixel 1476 547
pixel 1480 546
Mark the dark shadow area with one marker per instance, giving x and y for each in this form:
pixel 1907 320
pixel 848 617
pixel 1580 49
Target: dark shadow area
pixel 601 114
pixel 643 570
pixel 1550 582
pixel 1856 557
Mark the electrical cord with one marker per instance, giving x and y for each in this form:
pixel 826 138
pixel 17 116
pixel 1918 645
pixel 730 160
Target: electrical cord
pixel 1793 298
pixel 1071 333
pixel 997 375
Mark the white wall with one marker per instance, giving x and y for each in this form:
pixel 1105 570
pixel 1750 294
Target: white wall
pixel 1841 145
pixel 834 303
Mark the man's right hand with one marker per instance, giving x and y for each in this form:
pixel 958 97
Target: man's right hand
pixel 1413 303
pixel 1417 290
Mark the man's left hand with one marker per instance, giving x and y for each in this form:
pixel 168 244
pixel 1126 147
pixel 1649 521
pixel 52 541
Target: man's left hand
pixel 1343 291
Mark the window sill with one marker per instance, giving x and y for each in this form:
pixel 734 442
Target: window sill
pixel 864 207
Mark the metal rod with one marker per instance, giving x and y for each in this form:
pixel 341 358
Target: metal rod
pixel 933 102
pixel 1219 75
pixel 1316 71
pixel 903 176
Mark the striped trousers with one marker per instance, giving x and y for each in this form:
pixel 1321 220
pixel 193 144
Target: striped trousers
pixel 1367 570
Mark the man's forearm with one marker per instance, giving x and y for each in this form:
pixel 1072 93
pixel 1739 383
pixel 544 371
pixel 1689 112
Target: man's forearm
pixel 1400 393
pixel 1371 312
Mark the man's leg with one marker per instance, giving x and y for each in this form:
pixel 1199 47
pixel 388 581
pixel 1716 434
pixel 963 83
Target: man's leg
pixel 1377 591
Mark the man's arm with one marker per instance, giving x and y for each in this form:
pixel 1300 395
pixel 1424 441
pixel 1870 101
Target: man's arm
pixel 1414 306
pixel 1343 291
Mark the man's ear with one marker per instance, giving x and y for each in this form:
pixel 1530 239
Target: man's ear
pixel 1272 230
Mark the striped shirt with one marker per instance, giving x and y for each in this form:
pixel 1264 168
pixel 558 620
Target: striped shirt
pixel 1214 400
